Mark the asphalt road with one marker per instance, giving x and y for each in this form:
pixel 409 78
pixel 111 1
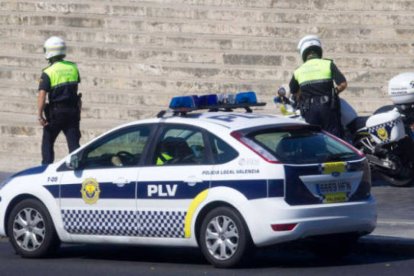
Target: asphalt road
pixel 387 251
pixel 382 257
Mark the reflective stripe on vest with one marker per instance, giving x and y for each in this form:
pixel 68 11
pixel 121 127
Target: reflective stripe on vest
pixel 61 73
pixel 314 70
pixel 164 156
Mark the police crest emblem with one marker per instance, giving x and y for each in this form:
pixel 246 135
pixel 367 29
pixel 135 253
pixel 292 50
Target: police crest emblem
pixel 382 134
pixel 90 191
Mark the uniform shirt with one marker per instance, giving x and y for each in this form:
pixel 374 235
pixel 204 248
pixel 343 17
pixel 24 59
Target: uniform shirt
pixel 64 93
pixel 319 83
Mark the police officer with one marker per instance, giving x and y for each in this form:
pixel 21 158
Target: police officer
pixel 313 85
pixel 59 81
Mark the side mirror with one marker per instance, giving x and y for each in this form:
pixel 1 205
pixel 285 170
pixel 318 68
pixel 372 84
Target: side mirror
pixel 72 162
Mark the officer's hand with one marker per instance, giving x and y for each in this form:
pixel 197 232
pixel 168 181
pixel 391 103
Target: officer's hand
pixel 42 121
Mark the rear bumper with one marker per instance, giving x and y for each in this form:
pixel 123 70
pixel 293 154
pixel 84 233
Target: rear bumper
pixel 311 220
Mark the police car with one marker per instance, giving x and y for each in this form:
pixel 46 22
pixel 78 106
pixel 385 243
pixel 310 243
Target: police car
pixel 224 181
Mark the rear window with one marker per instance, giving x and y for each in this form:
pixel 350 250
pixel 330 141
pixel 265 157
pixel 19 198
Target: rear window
pixel 302 146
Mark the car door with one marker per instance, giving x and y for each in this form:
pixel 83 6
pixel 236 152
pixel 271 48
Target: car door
pixel 99 198
pixel 174 181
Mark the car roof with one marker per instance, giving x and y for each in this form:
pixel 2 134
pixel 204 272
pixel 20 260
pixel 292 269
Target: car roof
pixel 226 120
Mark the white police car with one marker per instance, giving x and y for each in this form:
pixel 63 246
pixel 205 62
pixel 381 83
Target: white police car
pixel 223 181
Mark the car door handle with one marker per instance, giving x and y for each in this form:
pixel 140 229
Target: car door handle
pixel 192 180
pixel 120 182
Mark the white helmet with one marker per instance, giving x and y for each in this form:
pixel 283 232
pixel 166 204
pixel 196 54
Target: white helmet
pixel 309 42
pixel 54 46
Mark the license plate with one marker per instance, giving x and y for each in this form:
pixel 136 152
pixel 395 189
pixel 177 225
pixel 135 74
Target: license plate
pixel 335 198
pixel 334 192
pixel 334 187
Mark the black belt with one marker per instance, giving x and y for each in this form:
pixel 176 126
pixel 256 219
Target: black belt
pixel 63 105
pixel 319 99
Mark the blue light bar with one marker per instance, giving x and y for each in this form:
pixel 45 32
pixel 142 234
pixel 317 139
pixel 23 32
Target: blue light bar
pixel 183 103
pixel 246 98
pixel 213 102
pixel 226 98
pixel 208 100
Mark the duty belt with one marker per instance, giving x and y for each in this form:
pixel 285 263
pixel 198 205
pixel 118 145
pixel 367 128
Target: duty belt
pixel 63 105
pixel 318 99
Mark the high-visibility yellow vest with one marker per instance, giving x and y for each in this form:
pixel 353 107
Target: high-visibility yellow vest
pixel 62 73
pixel 313 70
pixel 165 156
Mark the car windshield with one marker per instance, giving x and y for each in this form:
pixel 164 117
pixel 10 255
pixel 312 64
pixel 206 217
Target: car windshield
pixel 302 146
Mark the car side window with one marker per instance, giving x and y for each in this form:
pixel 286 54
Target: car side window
pixel 180 145
pixel 222 152
pixel 122 149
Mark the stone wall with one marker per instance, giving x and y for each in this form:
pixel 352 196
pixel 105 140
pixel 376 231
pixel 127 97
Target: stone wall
pixel 134 55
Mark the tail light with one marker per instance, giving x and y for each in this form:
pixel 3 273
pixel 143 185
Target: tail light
pixel 283 227
pixel 267 156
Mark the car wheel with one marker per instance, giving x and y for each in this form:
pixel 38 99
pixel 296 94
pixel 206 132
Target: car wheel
pixel 224 238
pixel 31 231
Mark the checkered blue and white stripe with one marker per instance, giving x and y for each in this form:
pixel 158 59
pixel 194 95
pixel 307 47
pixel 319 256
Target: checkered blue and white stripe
pixel 161 224
pixel 124 223
pixel 388 126
pixel 101 222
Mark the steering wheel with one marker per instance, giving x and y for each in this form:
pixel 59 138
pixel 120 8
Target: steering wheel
pixel 126 157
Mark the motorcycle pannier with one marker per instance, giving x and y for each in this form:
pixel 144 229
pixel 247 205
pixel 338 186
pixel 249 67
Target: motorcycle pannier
pixel 401 88
pixel 386 127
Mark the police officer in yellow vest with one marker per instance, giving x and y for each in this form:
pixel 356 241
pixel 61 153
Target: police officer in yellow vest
pixel 59 81
pixel 313 85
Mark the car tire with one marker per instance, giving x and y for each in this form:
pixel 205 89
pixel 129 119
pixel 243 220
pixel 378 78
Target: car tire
pixel 31 231
pixel 224 238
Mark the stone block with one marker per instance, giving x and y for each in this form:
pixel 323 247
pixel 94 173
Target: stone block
pixel 240 3
pixel 134 56
pixel 257 60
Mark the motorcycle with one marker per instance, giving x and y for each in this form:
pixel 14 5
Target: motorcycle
pixel 385 137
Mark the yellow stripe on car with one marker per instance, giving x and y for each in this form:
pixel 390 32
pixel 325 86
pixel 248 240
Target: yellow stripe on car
pixel 193 206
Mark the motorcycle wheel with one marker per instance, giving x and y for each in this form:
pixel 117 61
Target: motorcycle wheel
pixel 403 180
pixel 403 176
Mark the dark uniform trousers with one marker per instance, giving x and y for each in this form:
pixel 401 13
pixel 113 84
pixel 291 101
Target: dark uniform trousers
pixel 64 119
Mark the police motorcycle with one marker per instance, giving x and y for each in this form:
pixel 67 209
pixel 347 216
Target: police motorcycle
pixel 391 130
pixel 386 137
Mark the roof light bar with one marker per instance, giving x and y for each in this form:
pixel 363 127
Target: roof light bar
pixel 246 98
pixel 208 100
pixel 184 104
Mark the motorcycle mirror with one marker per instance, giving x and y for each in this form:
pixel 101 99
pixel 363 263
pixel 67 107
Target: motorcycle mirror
pixel 281 91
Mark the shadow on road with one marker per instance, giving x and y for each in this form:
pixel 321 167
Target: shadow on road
pixel 369 250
